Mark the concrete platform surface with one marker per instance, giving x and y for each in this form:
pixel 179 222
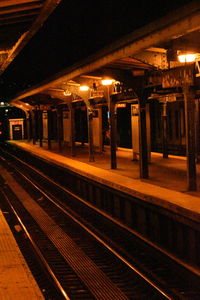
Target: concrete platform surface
pixel 16 280
pixel 166 186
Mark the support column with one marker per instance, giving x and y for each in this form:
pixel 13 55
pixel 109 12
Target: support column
pixel 72 133
pixel 102 131
pixel 49 128
pixel 197 119
pixel 28 126
pixel 113 138
pixel 189 100
pixel 59 128
pixel 33 127
pixel 40 127
pixel 144 170
pixel 90 133
pixel 164 131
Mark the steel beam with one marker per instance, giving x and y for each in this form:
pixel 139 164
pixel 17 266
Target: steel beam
pixel 72 128
pixel 164 131
pixel 40 127
pixel 113 138
pixel 49 128
pixel 59 116
pixel 33 123
pixel 168 28
pixel 90 134
pixel 144 170
pixel 189 100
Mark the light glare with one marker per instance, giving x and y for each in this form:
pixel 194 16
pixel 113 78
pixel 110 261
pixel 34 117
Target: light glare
pixel 107 81
pixel 187 58
pixel 84 88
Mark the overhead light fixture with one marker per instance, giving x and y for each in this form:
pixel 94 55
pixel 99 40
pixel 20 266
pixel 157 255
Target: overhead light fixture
pixel 84 88
pixel 107 81
pixel 184 58
pixel 67 93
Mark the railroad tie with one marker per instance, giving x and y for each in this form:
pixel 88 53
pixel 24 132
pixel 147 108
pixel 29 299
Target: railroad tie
pixel 96 281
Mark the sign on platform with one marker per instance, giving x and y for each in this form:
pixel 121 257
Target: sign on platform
pixel 177 77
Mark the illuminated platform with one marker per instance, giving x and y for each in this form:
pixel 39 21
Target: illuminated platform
pixel 16 280
pixel 166 186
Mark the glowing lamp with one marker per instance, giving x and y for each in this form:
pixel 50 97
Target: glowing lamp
pixel 84 88
pixel 107 81
pixel 120 105
pixel 67 93
pixel 186 58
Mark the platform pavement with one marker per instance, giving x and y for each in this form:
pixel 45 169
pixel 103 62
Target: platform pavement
pixel 16 280
pixel 166 186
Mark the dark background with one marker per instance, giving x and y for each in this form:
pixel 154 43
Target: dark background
pixel 75 30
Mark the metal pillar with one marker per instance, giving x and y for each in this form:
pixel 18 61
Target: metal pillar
pixel 144 170
pixel 40 127
pixel 59 128
pixel 197 127
pixel 72 134
pixel 101 146
pixel 189 100
pixel 49 126
pixel 33 127
pixel 164 131
pixel 90 134
pixel 113 138
pixel 28 125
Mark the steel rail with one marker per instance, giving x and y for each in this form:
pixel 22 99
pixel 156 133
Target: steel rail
pixel 101 241
pixel 37 250
pixel 118 223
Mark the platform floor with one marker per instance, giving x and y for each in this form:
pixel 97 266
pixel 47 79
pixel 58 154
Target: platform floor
pixel 167 185
pixel 16 280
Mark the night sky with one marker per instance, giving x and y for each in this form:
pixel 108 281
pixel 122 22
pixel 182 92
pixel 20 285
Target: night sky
pixel 75 30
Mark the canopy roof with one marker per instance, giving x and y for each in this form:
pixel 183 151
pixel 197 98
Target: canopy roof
pixel 153 47
pixel 19 21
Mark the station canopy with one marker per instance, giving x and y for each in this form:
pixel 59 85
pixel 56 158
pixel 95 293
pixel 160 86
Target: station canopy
pixel 19 21
pixel 141 58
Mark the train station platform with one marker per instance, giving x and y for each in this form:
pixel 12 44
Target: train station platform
pixel 16 280
pixel 166 187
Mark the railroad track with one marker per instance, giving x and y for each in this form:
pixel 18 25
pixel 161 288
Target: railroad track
pixel 103 260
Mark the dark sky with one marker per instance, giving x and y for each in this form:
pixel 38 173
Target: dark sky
pixel 75 30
